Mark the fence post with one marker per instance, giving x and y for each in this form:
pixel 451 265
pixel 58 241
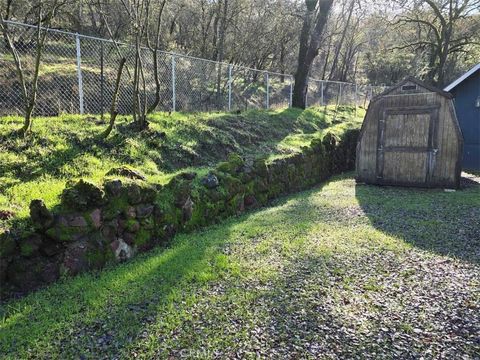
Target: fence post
pixel 306 94
pixel 356 99
pixel 229 87
pixel 291 92
pixel 340 95
pixel 322 99
pixel 102 79
pixel 174 90
pixel 79 73
pixel 268 90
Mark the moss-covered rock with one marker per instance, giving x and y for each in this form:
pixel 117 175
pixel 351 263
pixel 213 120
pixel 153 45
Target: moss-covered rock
pixel 113 187
pixel 188 175
pixel 41 217
pixel 250 201
pixel 144 210
pixel 128 172
pixel 132 225
pixel 143 240
pixel 210 181
pixel 68 228
pixel 187 209
pixel 236 204
pixel 148 223
pixel 180 191
pixel 31 245
pixel 232 185
pixel 330 141
pixel 317 146
pixel 109 230
pixel 232 166
pixel 8 245
pixel 139 192
pixel 82 196
pixel 260 167
pixel 26 274
pixel 114 207
pixel 81 256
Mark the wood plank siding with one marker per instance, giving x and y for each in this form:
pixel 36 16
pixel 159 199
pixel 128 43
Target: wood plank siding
pixel 410 137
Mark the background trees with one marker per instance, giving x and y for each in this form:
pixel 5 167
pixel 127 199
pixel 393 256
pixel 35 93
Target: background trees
pixel 43 12
pixel 438 31
pixel 374 41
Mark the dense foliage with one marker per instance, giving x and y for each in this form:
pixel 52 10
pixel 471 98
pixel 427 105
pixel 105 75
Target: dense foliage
pixel 375 41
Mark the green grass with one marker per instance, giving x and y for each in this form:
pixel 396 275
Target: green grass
pixel 260 283
pixel 67 148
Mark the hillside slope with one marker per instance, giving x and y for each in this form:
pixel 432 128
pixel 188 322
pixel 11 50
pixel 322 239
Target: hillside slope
pixel 67 148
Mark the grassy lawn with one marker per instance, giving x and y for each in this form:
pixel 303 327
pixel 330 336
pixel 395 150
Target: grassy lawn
pixel 67 147
pixel 344 270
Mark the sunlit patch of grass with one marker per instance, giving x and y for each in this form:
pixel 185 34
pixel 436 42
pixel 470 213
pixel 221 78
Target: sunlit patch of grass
pixel 208 289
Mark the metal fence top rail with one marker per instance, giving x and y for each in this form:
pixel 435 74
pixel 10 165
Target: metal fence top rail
pixel 58 31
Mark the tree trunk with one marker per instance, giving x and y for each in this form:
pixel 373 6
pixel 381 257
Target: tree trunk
pixel 334 70
pixel 155 60
pixel 113 108
pixel 309 45
pixel 221 49
pixel 29 97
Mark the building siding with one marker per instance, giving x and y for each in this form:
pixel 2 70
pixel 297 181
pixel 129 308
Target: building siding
pixel 466 94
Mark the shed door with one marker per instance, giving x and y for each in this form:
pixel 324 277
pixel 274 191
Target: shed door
pixel 407 145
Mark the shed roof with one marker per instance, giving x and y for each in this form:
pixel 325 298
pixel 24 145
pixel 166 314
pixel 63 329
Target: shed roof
pixel 462 78
pixel 418 82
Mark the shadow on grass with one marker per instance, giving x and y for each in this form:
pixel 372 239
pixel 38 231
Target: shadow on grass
pixel 103 313
pixel 208 140
pixel 446 223
pixel 328 307
pixel 116 301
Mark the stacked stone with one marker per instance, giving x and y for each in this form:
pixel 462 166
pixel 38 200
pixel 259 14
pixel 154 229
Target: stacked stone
pixel 95 225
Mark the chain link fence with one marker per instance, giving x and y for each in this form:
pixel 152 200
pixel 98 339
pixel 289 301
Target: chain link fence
pixel 78 72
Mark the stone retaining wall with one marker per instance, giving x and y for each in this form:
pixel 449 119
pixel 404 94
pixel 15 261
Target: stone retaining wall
pixel 96 225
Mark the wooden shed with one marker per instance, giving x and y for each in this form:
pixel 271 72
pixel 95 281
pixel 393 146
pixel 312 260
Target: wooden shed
pixel 410 137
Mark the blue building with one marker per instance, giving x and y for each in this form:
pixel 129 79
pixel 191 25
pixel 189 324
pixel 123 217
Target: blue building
pixel 466 92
